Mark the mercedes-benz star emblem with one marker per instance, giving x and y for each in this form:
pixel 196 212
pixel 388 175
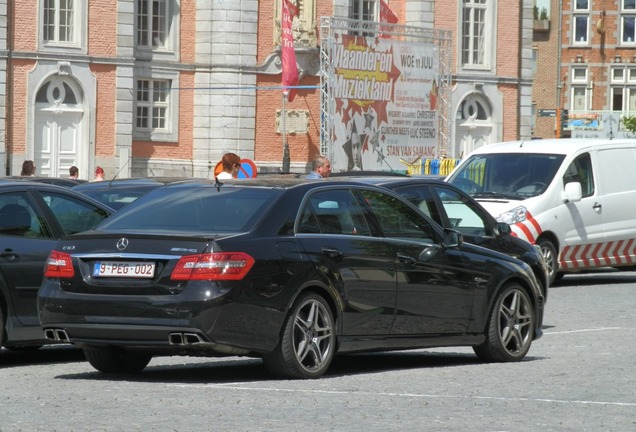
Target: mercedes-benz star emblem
pixel 122 243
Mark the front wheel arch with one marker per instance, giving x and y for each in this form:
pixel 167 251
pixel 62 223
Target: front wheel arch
pixel 550 251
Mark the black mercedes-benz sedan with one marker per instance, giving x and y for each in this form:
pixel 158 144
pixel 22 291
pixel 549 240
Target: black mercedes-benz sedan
pixel 33 216
pixel 292 271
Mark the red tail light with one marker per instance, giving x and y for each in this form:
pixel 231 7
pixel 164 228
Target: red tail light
pixel 214 266
pixel 59 265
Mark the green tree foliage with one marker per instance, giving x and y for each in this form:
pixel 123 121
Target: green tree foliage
pixel 540 14
pixel 629 123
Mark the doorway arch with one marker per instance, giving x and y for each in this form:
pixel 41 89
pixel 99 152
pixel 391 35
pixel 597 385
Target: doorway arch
pixel 58 126
pixel 473 124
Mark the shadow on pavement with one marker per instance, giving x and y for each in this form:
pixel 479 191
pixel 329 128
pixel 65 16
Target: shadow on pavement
pixel 46 355
pixel 597 277
pixel 249 369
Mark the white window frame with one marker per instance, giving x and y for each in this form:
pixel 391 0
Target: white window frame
pixel 170 131
pixel 614 78
pixel 586 8
pixel 357 10
pixel 78 32
pixel 586 98
pixel 169 50
pixel 578 41
pixel 577 78
pixel 580 80
pixel 628 12
pixel 626 83
pixel 371 6
pixel 485 63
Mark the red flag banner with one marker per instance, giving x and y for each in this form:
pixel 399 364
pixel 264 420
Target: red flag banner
pixel 387 15
pixel 290 70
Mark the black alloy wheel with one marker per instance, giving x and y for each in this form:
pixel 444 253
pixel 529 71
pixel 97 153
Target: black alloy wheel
pixel 510 328
pixel 307 341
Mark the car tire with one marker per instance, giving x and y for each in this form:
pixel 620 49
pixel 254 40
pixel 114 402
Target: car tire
pixel 550 255
pixel 117 360
pixel 2 325
pixel 307 342
pixel 510 328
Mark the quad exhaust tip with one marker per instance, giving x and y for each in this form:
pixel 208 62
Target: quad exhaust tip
pixel 57 335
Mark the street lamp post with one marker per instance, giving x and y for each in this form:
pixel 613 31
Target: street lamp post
pixel 286 159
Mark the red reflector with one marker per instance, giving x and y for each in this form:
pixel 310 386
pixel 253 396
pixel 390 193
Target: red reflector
pixel 214 266
pixel 59 265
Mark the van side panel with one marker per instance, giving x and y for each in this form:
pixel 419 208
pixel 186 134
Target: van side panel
pixel 617 184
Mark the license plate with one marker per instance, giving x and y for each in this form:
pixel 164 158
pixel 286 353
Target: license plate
pixel 124 269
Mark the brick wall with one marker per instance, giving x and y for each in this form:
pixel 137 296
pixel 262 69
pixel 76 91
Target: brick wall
pixel 105 110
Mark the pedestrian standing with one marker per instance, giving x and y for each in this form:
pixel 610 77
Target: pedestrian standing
pixel 320 168
pixel 99 174
pixel 28 168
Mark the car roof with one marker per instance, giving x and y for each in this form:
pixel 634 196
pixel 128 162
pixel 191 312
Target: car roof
pixel 47 180
pixel 18 185
pixel 396 180
pixel 277 181
pixel 136 182
pixel 549 146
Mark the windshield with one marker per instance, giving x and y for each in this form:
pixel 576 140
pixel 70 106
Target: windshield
pixel 200 209
pixel 507 175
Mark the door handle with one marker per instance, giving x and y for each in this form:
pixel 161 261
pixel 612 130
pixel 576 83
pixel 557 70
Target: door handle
pixel 332 253
pixel 8 254
pixel 406 259
pixel 597 206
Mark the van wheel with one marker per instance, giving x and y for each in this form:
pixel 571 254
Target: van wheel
pixel 510 327
pixel 549 252
pixel 117 360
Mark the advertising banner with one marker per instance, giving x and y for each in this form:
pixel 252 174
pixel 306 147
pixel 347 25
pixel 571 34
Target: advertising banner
pixel 385 94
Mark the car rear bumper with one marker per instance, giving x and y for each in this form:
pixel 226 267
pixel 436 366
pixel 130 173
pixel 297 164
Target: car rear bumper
pixel 187 322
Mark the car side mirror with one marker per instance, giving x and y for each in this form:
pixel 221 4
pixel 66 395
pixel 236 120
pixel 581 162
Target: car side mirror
pixel 503 229
pixel 572 192
pixel 452 238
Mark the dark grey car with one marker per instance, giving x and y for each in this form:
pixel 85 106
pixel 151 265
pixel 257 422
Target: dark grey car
pixel 33 216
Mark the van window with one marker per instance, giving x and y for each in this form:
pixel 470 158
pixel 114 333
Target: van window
pixel 507 175
pixel 580 170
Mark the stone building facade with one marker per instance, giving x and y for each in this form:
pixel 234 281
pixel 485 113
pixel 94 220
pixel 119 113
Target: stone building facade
pixel 165 87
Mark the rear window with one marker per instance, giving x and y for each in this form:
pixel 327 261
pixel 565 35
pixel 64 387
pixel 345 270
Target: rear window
pixel 193 210
pixel 116 198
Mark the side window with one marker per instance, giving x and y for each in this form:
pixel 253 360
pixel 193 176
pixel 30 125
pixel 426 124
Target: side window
pixel 333 212
pixel 462 216
pixel 422 197
pixel 72 214
pixel 19 217
pixel 396 219
pixel 580 170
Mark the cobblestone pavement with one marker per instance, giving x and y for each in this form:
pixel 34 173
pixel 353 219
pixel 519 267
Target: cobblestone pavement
pixel 579 377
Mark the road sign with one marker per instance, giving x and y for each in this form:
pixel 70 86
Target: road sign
pixel 247 169
pixel 547 113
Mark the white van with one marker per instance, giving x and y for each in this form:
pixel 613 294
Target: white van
pixel 575 198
